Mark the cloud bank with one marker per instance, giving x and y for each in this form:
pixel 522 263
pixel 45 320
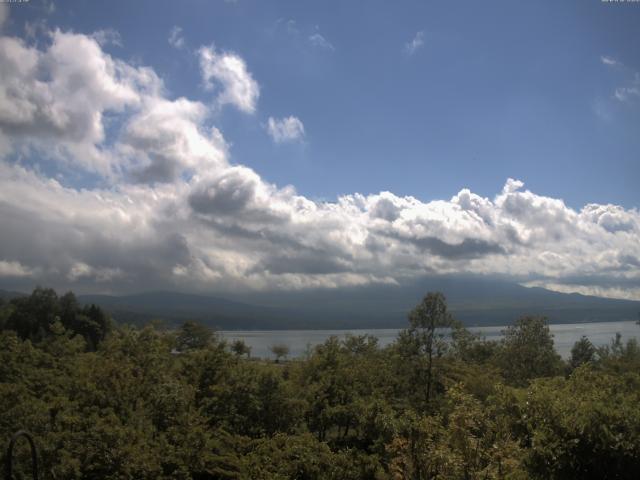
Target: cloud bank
pixel 168 208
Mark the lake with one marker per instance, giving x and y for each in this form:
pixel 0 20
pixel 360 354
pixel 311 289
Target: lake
pixel 298 341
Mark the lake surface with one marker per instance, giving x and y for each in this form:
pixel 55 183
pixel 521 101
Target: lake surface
pixel 299 341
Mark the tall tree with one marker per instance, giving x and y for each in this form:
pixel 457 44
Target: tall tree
pixel 280 351
pixel 193 336
pixel 527 351
pixel 426 334
pixel 33 315
pixel 583 351
pixel 240 348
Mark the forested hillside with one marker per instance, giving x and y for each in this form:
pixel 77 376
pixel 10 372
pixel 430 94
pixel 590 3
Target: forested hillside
pixel 107 401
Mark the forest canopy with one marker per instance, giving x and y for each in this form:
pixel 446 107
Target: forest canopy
pixel 111 401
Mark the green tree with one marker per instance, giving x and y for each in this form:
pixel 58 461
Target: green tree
pixel 582 352
pixel 302 456
pixel 193 336
pixel 93 324
pixel 131 408
pixel 619 356
pixel 426 337
pixel 33 315
pixel 252 399
pixel 280 350
pixel 466 440
pixel 5 312
pixel 240 348
pixel 527 351
pixel 584 427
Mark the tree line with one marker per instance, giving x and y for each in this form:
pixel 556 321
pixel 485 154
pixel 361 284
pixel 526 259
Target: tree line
pixel 111 401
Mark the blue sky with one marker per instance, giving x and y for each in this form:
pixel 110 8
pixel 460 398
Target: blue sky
pixel 254 145
pixel 496 90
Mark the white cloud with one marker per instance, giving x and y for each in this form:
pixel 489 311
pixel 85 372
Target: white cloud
pixel 166 139
pixel 228 228
pixel 176 39
pixel 170 210
pixel 227 73
pixel 107 36
pixel 55 100
pixel 288 129
pixel 415 44
pixel 80 271
pixel 629 92
pixel 625 293
pixel 319 41
pixel 13 269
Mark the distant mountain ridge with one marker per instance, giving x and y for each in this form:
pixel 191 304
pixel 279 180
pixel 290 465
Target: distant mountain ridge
pixel 9 294
pixel 476 301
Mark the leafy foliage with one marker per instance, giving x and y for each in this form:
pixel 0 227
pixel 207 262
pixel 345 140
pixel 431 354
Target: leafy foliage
pixel 33 317
pixel 280 351
pixel 193 336
pixel 582 352
pixel 123 402
pixel 527 351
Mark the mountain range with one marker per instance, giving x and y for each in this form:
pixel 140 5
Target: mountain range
pixel 476 301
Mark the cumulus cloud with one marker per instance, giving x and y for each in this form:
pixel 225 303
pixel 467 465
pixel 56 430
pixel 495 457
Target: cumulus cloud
pixel 71 235
pixel 166 139
pixel 288 129
pixel 227 73
pixel 610 61
pixel 170 210
pixel 416 43
pixel 55 100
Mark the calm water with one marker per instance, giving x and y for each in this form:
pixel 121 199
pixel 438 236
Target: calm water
pixel 565 335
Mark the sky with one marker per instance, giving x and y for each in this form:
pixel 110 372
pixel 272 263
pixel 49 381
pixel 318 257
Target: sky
pixel 214 146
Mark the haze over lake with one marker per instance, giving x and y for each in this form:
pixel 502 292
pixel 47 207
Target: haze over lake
pixel 299 341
